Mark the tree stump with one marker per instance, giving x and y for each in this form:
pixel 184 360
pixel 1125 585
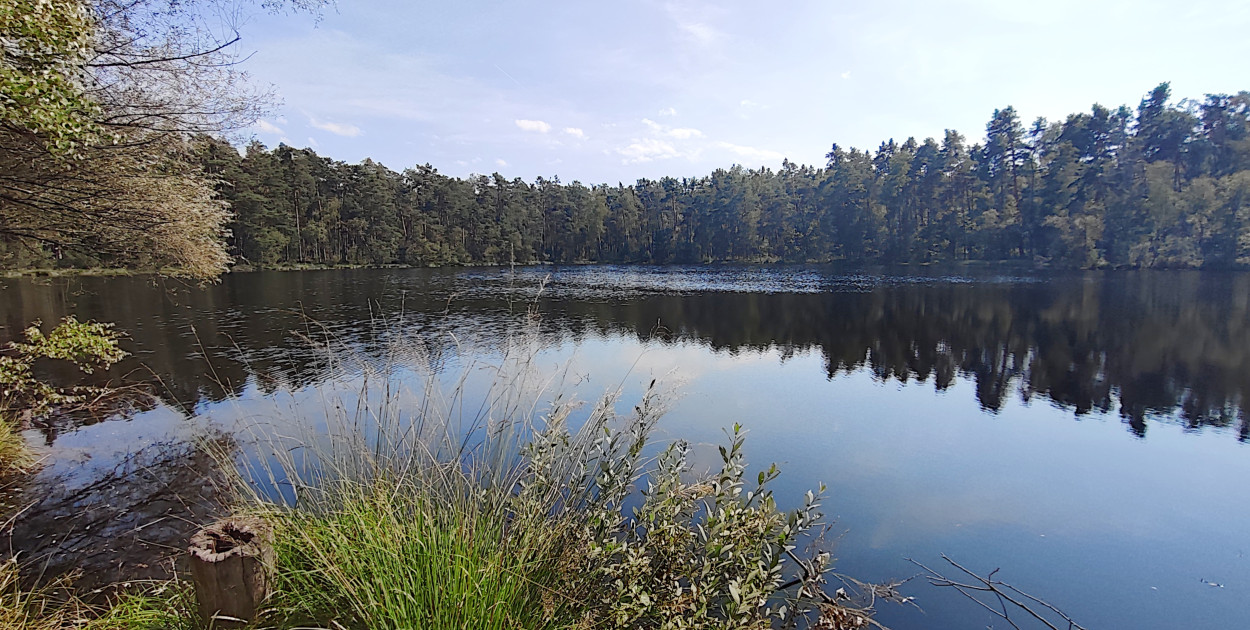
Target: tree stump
pixel 231 567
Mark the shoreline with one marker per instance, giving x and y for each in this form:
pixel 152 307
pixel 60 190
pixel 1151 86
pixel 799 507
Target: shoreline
pixel 1008 264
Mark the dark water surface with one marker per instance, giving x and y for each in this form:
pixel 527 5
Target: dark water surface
pixel 1086 433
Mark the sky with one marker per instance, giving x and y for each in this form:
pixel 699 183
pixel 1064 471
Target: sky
pixel 608 92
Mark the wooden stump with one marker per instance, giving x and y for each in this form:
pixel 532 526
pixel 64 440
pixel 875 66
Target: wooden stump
pixel 231 567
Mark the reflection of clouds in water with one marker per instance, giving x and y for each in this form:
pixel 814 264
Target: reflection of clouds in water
pixel 925 466
pixel 605 358
pixel 93 450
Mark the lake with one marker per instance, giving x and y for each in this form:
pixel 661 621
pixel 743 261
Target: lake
pixel 1084 432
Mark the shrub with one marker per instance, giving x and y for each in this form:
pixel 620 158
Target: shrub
pixel 701 554
pixel 87 345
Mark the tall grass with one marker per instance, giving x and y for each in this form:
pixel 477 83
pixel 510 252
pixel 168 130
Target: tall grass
pixel 45 608
pixel 395 556
pixel 419 500
pixel 15 456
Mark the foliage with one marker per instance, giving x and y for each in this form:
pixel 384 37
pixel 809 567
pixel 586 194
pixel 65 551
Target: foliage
pixel 412 510
pixel 42 77
pixel 97 99
pixel 87 345
pixel 706 554
pixel 1160 187
pixel 121 205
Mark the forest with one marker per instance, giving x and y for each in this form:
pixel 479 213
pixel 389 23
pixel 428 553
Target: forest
pixel 1165 186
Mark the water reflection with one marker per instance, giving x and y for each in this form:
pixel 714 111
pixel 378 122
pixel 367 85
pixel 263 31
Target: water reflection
pixel 128 519
pixel 1147 345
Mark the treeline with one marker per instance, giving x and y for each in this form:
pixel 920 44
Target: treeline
pixel 1167 185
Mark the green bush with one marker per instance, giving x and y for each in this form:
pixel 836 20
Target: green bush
pixel 87 345
pixel 702 554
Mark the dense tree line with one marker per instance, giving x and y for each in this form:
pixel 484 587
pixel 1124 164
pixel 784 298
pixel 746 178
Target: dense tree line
pixel 1165 186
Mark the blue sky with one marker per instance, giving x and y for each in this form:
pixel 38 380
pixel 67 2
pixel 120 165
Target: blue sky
pixel 614 91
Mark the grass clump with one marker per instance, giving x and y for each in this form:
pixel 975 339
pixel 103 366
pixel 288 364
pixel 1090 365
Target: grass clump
pixel 55 606
pixel 405 513
pixel 15 456
pixel 46 608
pixel 394 556
pixel 166 605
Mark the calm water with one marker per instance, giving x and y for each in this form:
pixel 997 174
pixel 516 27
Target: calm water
pixel 1085 433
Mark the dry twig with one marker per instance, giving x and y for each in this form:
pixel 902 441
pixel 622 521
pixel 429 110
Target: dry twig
pixel 1008 599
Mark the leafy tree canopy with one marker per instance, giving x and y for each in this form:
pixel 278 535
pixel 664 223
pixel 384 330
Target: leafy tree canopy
pixel 97 102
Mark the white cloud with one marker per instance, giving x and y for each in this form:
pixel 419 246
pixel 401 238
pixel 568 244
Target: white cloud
pixel 846 75
pixel 668 111
pixel 575 132
pixel 312 142
pixel 338 129
pixel 646 150
pixel 750 152
pixel 533 125
pixel 500 162
pixel 264 126
pixel 680 133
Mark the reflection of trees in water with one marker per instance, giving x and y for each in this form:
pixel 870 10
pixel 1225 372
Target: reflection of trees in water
pixel 1171 345
pixel 126 523
pixel 1165 345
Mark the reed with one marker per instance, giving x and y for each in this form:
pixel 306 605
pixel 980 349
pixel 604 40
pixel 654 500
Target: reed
pixel 416 503
pixel 47 608
pixel 420 500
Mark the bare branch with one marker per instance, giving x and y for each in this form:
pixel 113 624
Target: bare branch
pixel 1008 597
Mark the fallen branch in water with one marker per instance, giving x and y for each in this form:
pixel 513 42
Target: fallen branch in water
pixel 1008 597
pixel 842 610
